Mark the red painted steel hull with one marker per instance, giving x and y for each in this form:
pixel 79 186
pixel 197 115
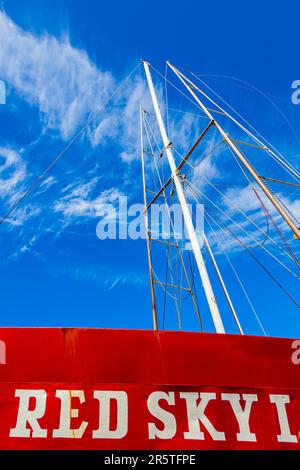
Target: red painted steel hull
pixel 139 364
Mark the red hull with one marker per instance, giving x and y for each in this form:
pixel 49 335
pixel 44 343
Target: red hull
pixel 124 389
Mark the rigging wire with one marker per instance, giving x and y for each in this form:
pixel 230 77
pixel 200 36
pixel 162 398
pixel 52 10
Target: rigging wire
pixel 177 89
pixel 187 112
pixel 167 256
pixel 181 298
pixel 284 240
pixel 265 233
pixel 166 100
pixel 275 194
pixel 208 154
pixel 261 246
pixel 244 230
pixel 174 297
pixel 283 204
pixel 231 265
pixel 280 159
pixel 254 257
pixel 287 245
pixel 165 292
pixel 237 277
pixel 285 163
pixel 192 292
pixel 239 126
pixel 244 119
pixel 263 206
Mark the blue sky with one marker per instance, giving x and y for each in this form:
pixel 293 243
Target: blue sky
pixel 61 61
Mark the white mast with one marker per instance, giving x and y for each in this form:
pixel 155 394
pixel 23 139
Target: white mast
pixel 185 210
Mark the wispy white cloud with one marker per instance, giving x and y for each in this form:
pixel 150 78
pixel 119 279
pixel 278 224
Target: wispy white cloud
pixel 183 130
pixel 238 201
pixel 13 173
pixel 208 167
pixel 243 198
pixel 120 125
pixel 64 85
pixel 52 75
pixel 78 202
pixel 292 205
pixel 137 95
pixel 102 275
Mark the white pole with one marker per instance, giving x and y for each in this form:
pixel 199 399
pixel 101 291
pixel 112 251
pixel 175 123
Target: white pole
pixel 213 260
pixel 185 211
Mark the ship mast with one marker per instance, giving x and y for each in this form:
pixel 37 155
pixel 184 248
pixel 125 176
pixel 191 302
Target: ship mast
pixel 195 244
pixel 189 85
